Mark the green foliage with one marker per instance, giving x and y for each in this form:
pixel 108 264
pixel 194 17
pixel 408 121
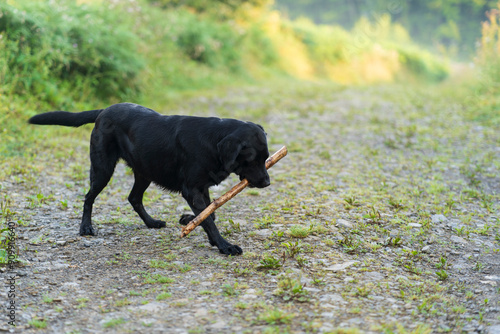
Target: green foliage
pixel 442 274
pixel 453 25
pixel 298 231
pixel 422 64
pixel 325 43
pixel 269 262
pixel 291 289
pixel 38 323
pixel 4 244
pixel 226 9
pixel 206 41
pixel 378 50
pixel 275 316
pixel 48 50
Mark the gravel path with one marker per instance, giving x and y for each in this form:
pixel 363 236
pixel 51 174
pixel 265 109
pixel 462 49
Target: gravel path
pixel 383 218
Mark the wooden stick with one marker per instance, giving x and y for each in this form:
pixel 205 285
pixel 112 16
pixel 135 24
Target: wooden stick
pixel 230 194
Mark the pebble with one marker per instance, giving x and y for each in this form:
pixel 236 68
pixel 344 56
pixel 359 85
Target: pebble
pixel 201 312
pixel 458 240
pixel 219 325
pixel 415 225
pixel 374 275
pixel 345 223
pixel 326 305
pixel 328 315
pixel 332 298
pixel 263 233
pixel 341 266
pixel 438 219
pixel 494 329
pixel 151 307
pixel 426 249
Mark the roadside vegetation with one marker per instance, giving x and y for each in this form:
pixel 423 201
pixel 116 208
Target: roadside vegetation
pixel 74 56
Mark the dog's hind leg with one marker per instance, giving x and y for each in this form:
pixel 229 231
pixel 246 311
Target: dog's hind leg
pixel 102 166
pixel 135 198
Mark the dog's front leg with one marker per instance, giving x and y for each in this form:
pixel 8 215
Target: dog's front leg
pixel 198 200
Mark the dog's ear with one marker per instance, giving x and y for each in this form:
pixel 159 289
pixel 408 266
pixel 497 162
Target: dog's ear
pixel 229 148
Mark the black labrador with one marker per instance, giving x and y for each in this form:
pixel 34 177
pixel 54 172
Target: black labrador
pixel 183 154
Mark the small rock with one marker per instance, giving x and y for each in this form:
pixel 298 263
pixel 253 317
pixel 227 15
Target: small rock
pixel 492 283
pixel 263 233
pixel 148 321
pixel 201 312
pixel 328 315
pixel 218 325
pixel 374 275
pixel 345 223
pixel 61 242
pixel 152 307
pixel 426 249
pixel 326 305
pixel 332 298
pixel 493 329
pixel 438 219
pixel 341 266
pixel 415 225
pixel 458 240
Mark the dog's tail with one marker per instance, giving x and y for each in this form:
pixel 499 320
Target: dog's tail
pixel 66 118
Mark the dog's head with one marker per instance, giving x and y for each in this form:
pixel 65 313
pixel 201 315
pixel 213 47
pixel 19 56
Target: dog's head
pixel 244 152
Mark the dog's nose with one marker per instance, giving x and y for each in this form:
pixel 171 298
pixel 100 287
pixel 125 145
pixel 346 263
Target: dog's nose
pixel 264 183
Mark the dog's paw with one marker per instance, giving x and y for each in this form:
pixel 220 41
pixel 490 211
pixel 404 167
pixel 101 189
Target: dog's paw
pixel 231 250
pixel 87 230
pixel 156 224
pixel 185 219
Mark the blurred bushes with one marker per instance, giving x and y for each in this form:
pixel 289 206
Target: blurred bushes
pixel 371 52
pixel 422 64
pixel 206 41
pixel 58 48
pixel 484 105
pixel 60 51
pixel 488 55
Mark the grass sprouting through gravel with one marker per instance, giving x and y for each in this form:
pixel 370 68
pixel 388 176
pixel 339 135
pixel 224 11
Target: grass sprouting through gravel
pixel 384 217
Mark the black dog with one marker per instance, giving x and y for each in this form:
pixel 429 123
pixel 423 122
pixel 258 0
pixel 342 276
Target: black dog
pixel 183 154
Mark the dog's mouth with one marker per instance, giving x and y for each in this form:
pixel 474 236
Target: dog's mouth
pixel 260 184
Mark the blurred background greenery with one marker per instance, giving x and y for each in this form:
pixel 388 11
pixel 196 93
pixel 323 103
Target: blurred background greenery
pixel 72 55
